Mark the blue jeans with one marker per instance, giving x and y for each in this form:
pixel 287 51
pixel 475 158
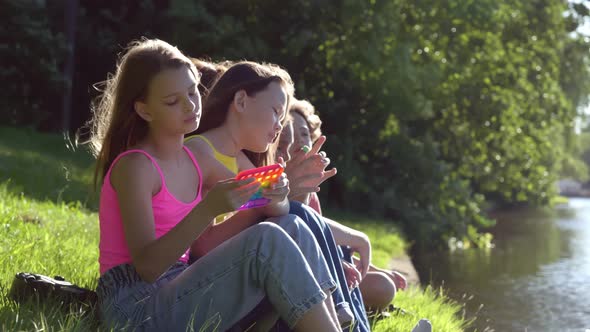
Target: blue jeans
pixel 219 288
pixel 356 298
pixel 333 254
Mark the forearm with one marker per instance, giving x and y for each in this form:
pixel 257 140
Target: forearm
pixel 217 234
pixel 356 240
pixel 342 234
pixel 156 257
pixel 372 267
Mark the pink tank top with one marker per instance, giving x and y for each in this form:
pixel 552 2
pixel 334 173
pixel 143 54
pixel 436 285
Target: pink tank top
pixel 168 211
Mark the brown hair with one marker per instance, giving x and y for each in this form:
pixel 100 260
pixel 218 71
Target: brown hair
pixel 115 126
pixel 252 78
pixel 307 111
pixel 288 119
pixel 210 72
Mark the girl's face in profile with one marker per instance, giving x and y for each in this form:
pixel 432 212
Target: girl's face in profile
pixel 261 118
pixel 173 102
pixel 285 142
pixel 301 134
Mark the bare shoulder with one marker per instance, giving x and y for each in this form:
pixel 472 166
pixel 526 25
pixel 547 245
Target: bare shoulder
pixel 211 169
pixel 198 146
pixel 134 169
pixel 202 152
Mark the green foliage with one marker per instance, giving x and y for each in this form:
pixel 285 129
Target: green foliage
pixel 502 113
pixel 462 101
pixel 431 107
pixel 30 71
pixel 581 150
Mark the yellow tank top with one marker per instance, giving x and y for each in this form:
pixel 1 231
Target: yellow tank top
pixel 230 162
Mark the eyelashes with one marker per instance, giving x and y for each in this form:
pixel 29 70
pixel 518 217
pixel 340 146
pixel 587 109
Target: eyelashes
pixel 172 103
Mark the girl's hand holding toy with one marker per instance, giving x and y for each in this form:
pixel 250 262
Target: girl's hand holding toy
pixel 228 195
pixel 278 191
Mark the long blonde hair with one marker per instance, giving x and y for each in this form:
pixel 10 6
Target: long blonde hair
pixel 115 126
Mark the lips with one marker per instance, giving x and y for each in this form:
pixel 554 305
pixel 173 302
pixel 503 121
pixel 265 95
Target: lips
pixel 191 119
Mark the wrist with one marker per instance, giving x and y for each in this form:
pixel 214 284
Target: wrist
pixel 277 209
pixel 207 211
pixel 357 238
pixel 303 198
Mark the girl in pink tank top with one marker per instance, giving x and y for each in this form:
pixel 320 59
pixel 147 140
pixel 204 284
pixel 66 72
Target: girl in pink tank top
pixel 151 211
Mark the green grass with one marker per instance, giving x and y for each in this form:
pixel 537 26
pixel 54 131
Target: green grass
pixel 429 303
pixel 386 239
pixel 432 304
pixel 46 167
pixel 48 225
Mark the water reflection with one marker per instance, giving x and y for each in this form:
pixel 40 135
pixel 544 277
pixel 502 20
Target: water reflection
pixel 536 278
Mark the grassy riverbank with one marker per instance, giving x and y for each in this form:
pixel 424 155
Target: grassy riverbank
pixel 48 225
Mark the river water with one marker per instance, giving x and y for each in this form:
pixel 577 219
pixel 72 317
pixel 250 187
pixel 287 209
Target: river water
pixel 537 278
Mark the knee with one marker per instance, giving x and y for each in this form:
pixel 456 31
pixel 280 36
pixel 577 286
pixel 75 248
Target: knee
pixel 294 222
pixel 268 232
pixel 267 227
pixel 300 224
pixel 378 290
pixel 284 221
pixel 295 227
pixel 270 238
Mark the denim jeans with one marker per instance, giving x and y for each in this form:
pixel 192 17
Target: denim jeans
pixel 356 299
pixel 219 288
pixel 333 255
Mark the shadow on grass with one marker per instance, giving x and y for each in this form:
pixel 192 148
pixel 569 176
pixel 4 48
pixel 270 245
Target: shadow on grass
pixel 47 314
pixel 46 167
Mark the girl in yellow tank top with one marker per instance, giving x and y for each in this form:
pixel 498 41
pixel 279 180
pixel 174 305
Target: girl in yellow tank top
pixel 228 161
